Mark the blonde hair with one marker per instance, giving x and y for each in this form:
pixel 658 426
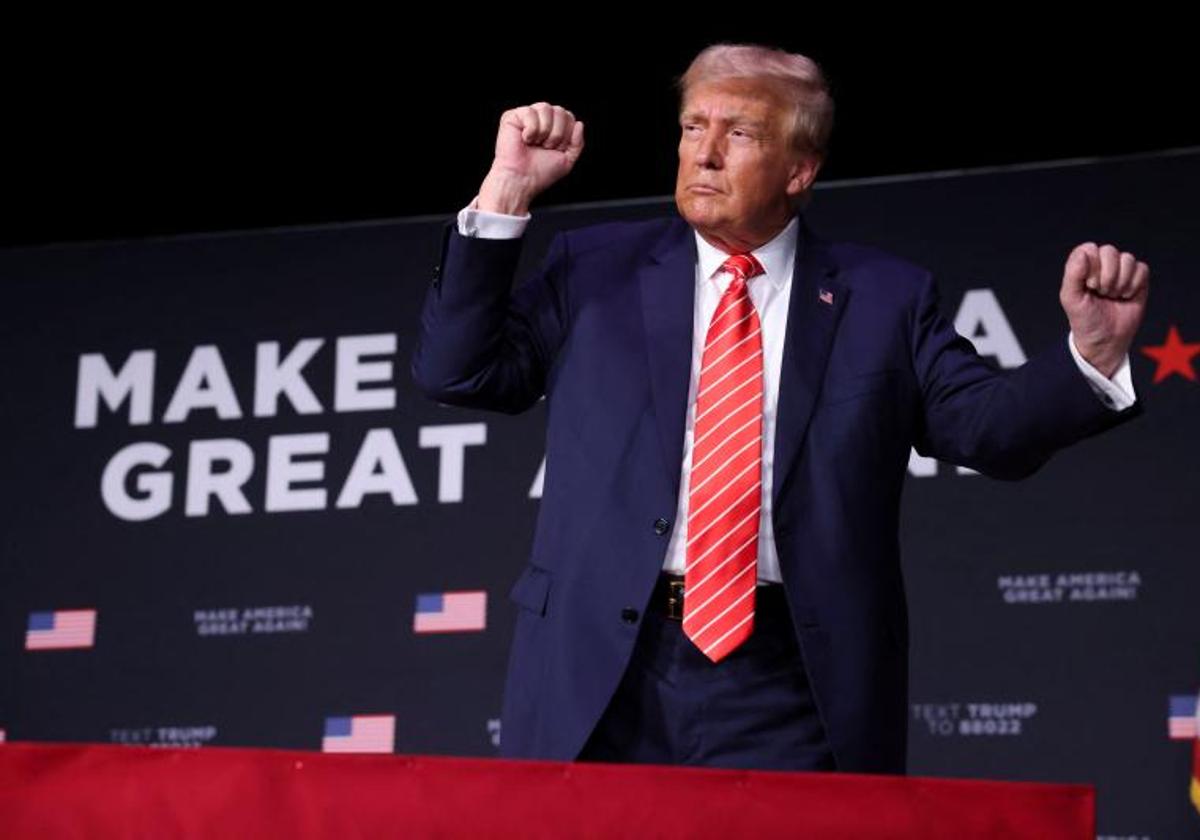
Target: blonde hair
pixel 796 78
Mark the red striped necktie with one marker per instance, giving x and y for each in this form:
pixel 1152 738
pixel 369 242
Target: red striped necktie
pixel 725 480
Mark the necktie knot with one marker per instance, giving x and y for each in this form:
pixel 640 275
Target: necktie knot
pixel 743 266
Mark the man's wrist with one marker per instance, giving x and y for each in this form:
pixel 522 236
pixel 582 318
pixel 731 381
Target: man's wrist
pixel 1116 390
pixel 505 193
pixel 1104 357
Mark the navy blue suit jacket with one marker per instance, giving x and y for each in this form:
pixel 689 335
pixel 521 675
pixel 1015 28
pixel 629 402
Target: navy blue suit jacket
pixel 604 331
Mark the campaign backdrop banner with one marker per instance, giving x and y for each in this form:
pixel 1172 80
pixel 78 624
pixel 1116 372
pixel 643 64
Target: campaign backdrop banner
pixel 229 518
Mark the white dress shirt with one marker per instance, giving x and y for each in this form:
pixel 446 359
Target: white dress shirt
pixel 770 293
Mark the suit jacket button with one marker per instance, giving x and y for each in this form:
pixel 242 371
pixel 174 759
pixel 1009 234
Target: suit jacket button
pixel 661 526
pixel 629 615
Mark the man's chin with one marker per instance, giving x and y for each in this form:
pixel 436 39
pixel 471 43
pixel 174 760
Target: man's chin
pixel 701 215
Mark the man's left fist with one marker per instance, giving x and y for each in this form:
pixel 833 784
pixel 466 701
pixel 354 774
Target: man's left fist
pixel 1104 295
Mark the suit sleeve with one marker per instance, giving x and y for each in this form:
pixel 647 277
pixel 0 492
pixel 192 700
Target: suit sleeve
pixel 480 344
pixel 1003 423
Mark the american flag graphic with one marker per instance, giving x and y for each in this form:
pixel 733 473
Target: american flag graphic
pixel 359 734
pixel 1181 725
pixel 450 612
pixel 60 629
pixel 825 295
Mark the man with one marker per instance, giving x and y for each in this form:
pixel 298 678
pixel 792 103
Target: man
pixel 715 576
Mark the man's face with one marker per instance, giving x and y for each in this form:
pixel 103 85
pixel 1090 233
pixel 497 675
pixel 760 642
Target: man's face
pixel 737 168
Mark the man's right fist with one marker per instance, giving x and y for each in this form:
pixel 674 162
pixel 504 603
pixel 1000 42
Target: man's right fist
pixel 536 146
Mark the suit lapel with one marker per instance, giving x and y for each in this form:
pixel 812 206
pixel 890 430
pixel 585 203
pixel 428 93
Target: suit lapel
pixel 667 282
pixel 668 288
pixel 817 300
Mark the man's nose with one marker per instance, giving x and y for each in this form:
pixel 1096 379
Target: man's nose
pixel 709 152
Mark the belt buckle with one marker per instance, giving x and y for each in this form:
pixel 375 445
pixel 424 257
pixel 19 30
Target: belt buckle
pixel 675 599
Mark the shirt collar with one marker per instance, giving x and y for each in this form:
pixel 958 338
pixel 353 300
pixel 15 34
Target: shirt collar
pixel 774 256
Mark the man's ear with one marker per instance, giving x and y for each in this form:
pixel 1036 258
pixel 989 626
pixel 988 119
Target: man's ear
pixel 802 173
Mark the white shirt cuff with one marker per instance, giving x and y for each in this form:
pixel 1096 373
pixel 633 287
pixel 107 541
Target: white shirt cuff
pixel 1116 393
pixel 483 224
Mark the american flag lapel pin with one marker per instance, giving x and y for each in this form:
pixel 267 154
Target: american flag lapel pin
pixel 825 296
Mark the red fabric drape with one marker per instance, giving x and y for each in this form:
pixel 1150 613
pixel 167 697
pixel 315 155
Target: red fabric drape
pixel 83 790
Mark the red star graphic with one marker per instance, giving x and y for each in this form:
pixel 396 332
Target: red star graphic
pixel 1173 356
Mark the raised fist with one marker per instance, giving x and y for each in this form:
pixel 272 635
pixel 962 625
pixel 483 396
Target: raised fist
pixel 1104 294
pixel 536 145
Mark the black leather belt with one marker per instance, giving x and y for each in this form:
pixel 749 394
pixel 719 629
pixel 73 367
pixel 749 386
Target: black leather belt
pixel 668 597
